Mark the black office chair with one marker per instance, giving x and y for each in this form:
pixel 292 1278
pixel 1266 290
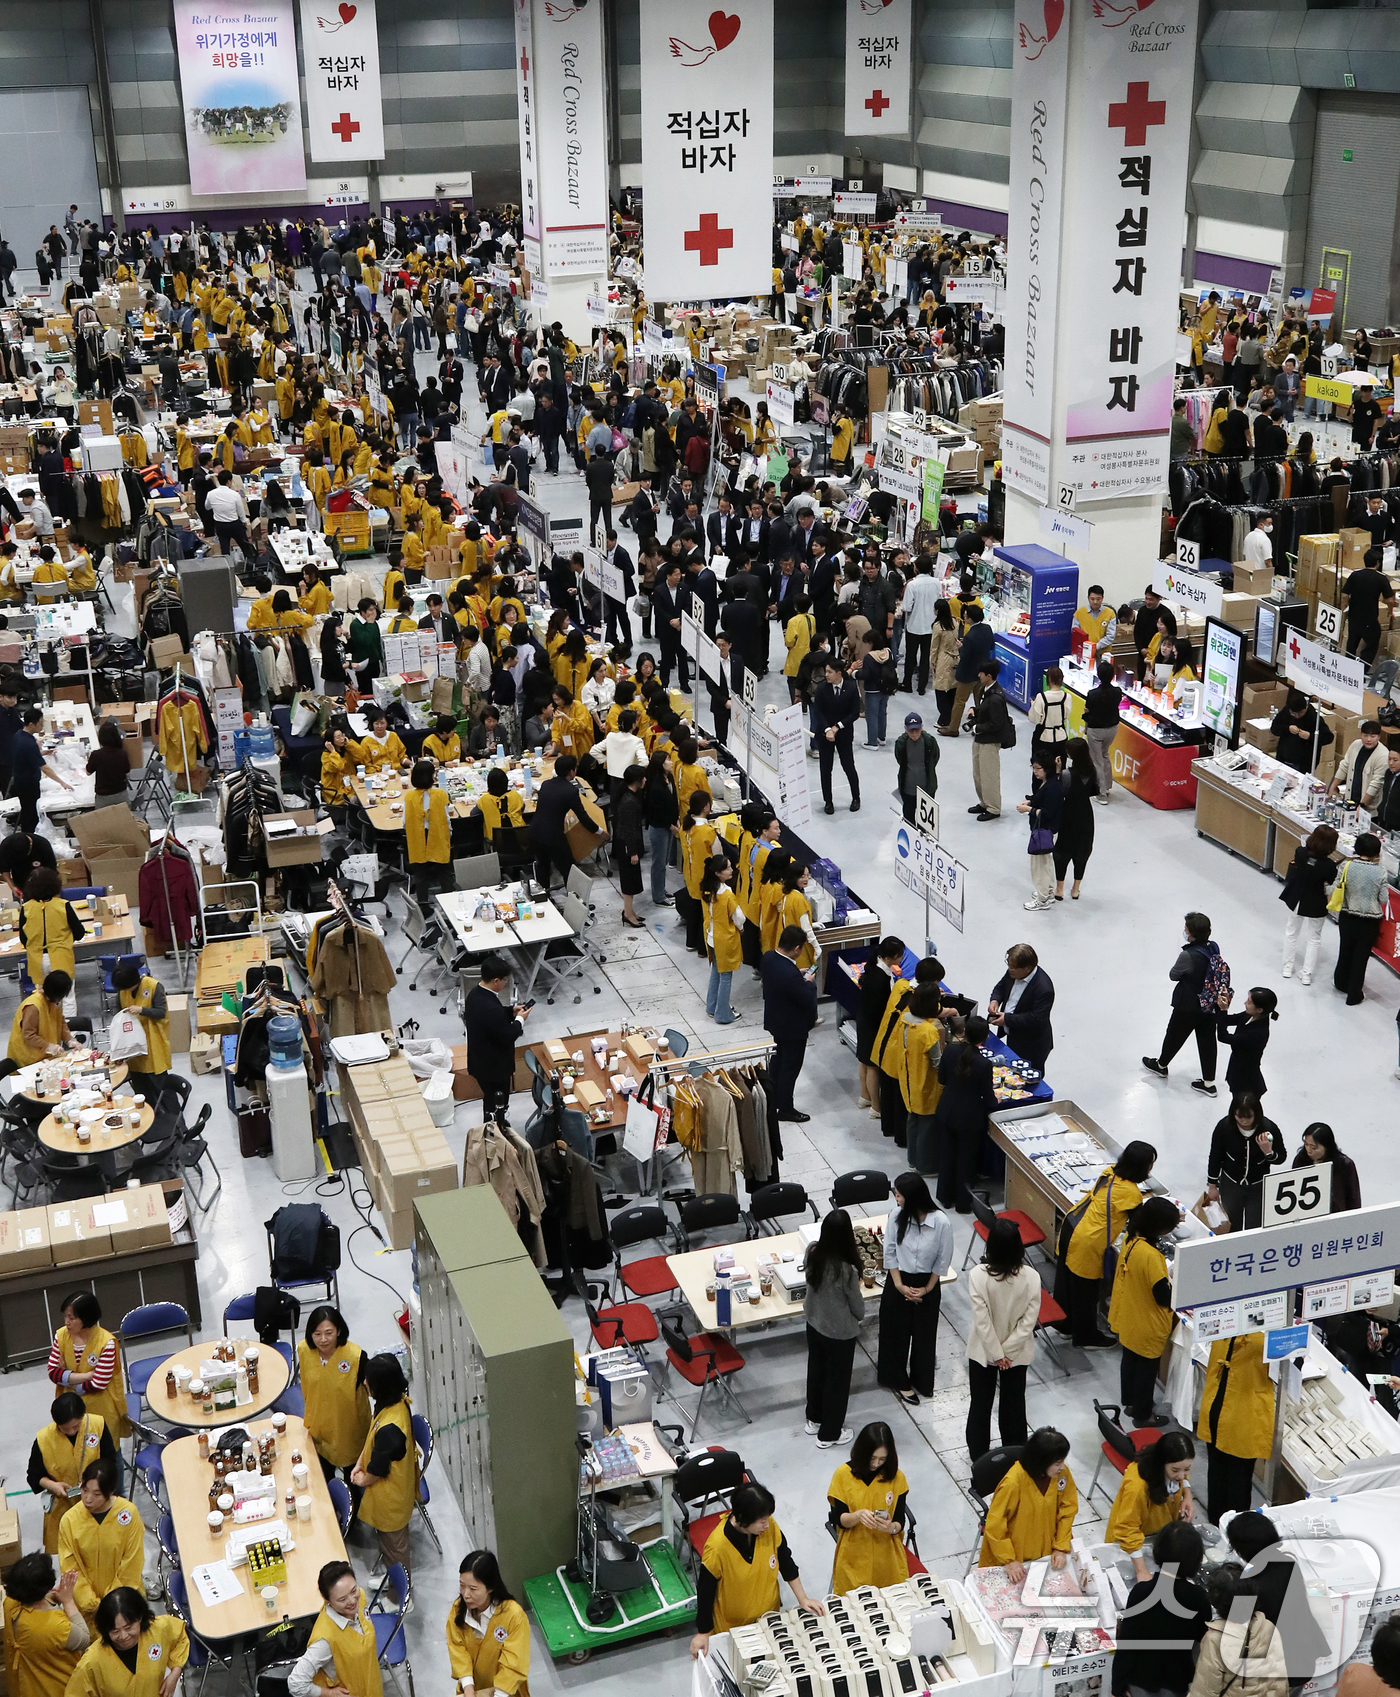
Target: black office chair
pixel 699 1490
pixel 700 1214
pixel 775 1200
pixel 650 1275
pixel 988 1471
pixel 866 1185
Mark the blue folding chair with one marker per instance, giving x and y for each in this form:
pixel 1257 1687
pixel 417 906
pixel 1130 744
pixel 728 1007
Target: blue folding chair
pixel 203 1654
pixel 165 1537
pixel 388 1628
pixel 153 1478
pixel 241 1308
pixel 151 1320
pixel 83 892
pixel 291 1401
pixel 108 965
pixel 342 1503
pixel 423 1438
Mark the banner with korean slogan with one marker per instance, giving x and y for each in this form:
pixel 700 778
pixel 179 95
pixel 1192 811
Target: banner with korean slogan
pixel 242 96
pixel 879 67
pixel 1039 104
pixel 707 149
pixel 1129 139
pixel 344 112
pixel 571 155
pixel 525 75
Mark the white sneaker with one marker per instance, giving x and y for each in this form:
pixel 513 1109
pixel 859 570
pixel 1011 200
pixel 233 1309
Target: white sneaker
pixel 1036 905
pixel 1288 969
pixel 1102 800
pixel 864 1102
pixel 831 1443
pixel 1305 977
pixel 812 1428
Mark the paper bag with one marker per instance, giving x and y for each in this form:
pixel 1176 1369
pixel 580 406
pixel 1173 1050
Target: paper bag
pixel 1211 1214
pixel 639 1134
pixel 442 694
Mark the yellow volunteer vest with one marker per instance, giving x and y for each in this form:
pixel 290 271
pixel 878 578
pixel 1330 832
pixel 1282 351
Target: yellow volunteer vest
pixel 719 921
pixel 333 778
pixel 1096 1231
pixel 388 1503
pixel 697 845
pixel 1134 1516
pixel 106 1555
pixel 376 756
pixel 770 911
pixel 337 1409
pixel 46 931
pixel 434 748
pixel 751 864
pixel 425 825
pixel 746 1589
pixel 355 1654
pixel 864 1557
pixel 887 1053
pixel 923 1041
pixel 1094 624
pixel 157 1056
pixel 796 908
pixel 102 1673
pixel 500 1659
pixel 111 1403
pixel 1245 1425
pixel 688 780
pixel 50 1029
pixel 490 806
pixel 1141 1324
pixel 65 1462
pixel 1030 1521
pixel 37 1662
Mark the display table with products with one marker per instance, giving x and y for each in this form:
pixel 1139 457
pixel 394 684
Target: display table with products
pixel 110 1130
pixel 1151 758
pixel 310 1544
pixel 593 1070
pixel 1231 815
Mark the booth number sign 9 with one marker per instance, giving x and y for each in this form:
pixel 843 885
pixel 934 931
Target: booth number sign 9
pixel 1298 1194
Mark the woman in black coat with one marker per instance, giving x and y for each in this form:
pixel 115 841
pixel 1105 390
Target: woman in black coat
pixel 629 817
pixel 1311 874
pixel 876 982
pixel 1075 842
pixel 1247 1036
pixel 960 1118
pixel 1243 1147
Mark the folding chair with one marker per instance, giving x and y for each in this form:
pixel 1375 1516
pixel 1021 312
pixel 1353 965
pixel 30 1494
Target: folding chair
pixel 566 959
pixel 423 1439
pixel 388 1628
pixel 701 1214
pixel 1050 1316
pixel 477 871
pixel 988 1471
pixel 865 1185
pixel 617 1323
pixel 704 1360
pixel 339 1493
pixel 204 1653
pixel 650 1275
pixel 151 1320
pixel 982 1216
pixel 774 1200
pixel 704 1479
pixel 1120 1448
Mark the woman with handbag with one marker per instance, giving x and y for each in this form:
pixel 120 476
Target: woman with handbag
pixel 1087 1238
pixel 1311 874
pixel 1356 901
pixel 1045 805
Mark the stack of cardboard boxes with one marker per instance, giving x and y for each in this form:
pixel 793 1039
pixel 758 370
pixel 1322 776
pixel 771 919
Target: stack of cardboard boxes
pixel 85 1230
pixel 403 1154
pixel 982 419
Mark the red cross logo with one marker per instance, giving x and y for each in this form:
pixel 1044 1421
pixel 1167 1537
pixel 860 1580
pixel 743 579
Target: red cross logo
pixel 345 127
pixel 877 103
pixel 708 239
pixel 1135 114
pixel 1293 647
pixel 524 63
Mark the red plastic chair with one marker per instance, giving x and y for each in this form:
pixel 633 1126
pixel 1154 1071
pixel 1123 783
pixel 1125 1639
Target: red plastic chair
pixel 651 1275
pixel 704 1360
pixel 1051 1315
pixel 983 1214
pixel 1120 1447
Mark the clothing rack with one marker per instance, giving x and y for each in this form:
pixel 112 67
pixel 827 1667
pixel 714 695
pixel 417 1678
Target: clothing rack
pixel 168 836
pixel 758 1050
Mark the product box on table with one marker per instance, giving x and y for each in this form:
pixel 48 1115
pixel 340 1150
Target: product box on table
pixel 1238 610
pixel 24 1240
pixel 143 1223
pixel 1252 580
pixel 75 1235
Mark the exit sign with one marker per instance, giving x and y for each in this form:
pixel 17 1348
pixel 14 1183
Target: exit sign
pixel 1346 156
pixel 1348 80
pixel 1334 273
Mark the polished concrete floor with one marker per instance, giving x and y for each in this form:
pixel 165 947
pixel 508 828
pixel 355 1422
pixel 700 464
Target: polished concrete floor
pixel 1108 954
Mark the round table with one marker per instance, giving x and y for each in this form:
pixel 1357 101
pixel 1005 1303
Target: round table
pixel 63 1139
pixel 117 1076
pixel 273 1378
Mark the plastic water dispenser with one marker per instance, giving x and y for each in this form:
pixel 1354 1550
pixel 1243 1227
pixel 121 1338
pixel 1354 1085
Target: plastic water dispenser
pixel 284 1041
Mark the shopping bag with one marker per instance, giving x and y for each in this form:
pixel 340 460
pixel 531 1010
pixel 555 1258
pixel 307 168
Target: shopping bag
pixel 1211 1214
pixel 639 1133
pixel 1339 891
pixel 126 1040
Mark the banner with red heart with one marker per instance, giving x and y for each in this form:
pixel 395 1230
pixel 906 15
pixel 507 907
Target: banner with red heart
pixel 879 67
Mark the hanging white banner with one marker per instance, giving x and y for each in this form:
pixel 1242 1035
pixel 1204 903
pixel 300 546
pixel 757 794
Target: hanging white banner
pixel 879 66
pixel 1039 102
pixel 707 149
pixel 525 112
pixel 238 80
pixel 571 138
pixel 344 111
pixel 1317 670
pixel 1129 141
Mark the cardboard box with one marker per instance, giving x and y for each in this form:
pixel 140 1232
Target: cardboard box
pixel 74 1233
pixel 206 1052
pixel 137 1219
pixel 462 1080
pixel 179 1007
pixel 422 1168
pixel 72 872
pixel 294 851
pixel 1257 734
pixel 96 412
pixel 166 650
pixel 588 1093
pixel 11 1548
pixel 24 1240
pixel 114 844
pixel 1238 610
pixel 1258 580
pixel 639 1046
pixel 557 1052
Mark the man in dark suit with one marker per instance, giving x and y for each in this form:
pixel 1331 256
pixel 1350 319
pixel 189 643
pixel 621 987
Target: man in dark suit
pixel 836 704
pixel 730 683
pixel 780 533
pixel 1019 1009
pixel 617 619
pixel 492 1030
pixel 495 385
pixel 704 591
pixel 742 621
pixel 823 581
pixel 669 600
pixel 808 531
pixel 439 621
pixel 754 530
pixel 555 801
pixel 723 529
pixel 787 582
pixel 789 1013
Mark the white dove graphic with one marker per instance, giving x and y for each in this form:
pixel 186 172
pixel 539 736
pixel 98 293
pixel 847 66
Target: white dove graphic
pixel 689 55
pixel 329 25
pixel 873 6
pixel 559 13
pixel 1114 15
pixel 1027 38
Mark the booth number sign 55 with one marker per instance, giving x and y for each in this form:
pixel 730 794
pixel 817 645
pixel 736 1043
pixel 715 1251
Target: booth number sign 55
pixel 1298 1195
pixel 1188 554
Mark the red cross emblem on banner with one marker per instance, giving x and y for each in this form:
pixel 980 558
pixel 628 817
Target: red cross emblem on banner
pixel 877 103
pixel 524 63
pixel 345 127
pixel 708 239
pixel 1293 647
pixel 1136 114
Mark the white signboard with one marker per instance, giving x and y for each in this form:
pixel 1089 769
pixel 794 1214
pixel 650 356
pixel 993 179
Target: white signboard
pixel 853 205
pixel 781 405
pixel 793 802
pixel 926 813
pixel 1251 1263
pixel 596 307
pixel 974 291
pixel 344 111
pixel 1297 1193
pixel 571 138
pixel 1025 458
pixel 1232 1319
pixel 529 129
pixel 924 866
pixel 1198 594
pixel 1065 532
pixel 907 484
pixel 879 67
pixel 853 260
pixel 707 148
pixel 917 216
pixel 1318 671
pixel 1188 554
pixel 1328 624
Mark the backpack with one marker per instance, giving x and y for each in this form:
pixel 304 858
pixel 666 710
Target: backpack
pixel 1217 982
pixel 1008 729
pixel 889 678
